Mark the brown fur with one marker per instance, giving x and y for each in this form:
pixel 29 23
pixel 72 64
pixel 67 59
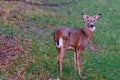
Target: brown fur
pixel 74 39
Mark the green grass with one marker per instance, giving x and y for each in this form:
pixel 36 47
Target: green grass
pixel 100 65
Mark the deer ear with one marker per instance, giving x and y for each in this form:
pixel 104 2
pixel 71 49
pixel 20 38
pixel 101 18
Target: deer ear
pixel 97 16
pixel 84 16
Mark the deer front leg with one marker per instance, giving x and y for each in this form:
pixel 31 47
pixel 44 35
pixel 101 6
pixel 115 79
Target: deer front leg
pixel 79 61
pixel 75 60
pixel 60 57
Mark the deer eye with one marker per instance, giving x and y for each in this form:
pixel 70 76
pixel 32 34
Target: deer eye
pixel 88 21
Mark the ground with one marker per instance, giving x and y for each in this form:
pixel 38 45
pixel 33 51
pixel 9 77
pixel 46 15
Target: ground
pixel 27 51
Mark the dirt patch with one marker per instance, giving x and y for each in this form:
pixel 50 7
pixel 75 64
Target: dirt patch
pixel 9 50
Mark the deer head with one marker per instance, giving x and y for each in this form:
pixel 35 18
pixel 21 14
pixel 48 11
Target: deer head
pixel 90 21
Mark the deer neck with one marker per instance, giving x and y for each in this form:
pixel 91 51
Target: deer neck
pixel 89 33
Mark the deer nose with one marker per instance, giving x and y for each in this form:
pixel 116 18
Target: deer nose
pixel 92 25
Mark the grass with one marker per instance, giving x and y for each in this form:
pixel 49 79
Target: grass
pixel 39 23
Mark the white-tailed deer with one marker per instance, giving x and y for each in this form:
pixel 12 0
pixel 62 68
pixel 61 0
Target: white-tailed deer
pixel 74 39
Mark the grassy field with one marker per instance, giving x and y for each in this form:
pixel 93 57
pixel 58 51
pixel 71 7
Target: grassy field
pixel 35 24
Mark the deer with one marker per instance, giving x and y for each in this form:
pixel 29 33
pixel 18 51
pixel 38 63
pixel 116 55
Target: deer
pixel 75 39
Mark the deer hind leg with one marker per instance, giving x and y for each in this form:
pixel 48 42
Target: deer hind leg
pixel 79 61
pixel 58 53
pixel 75 60
pixel 60 57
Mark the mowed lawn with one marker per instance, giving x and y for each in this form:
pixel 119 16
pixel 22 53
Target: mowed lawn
pixel 36 24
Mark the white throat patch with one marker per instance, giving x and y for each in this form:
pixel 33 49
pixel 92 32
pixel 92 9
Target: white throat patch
pixel 92 29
